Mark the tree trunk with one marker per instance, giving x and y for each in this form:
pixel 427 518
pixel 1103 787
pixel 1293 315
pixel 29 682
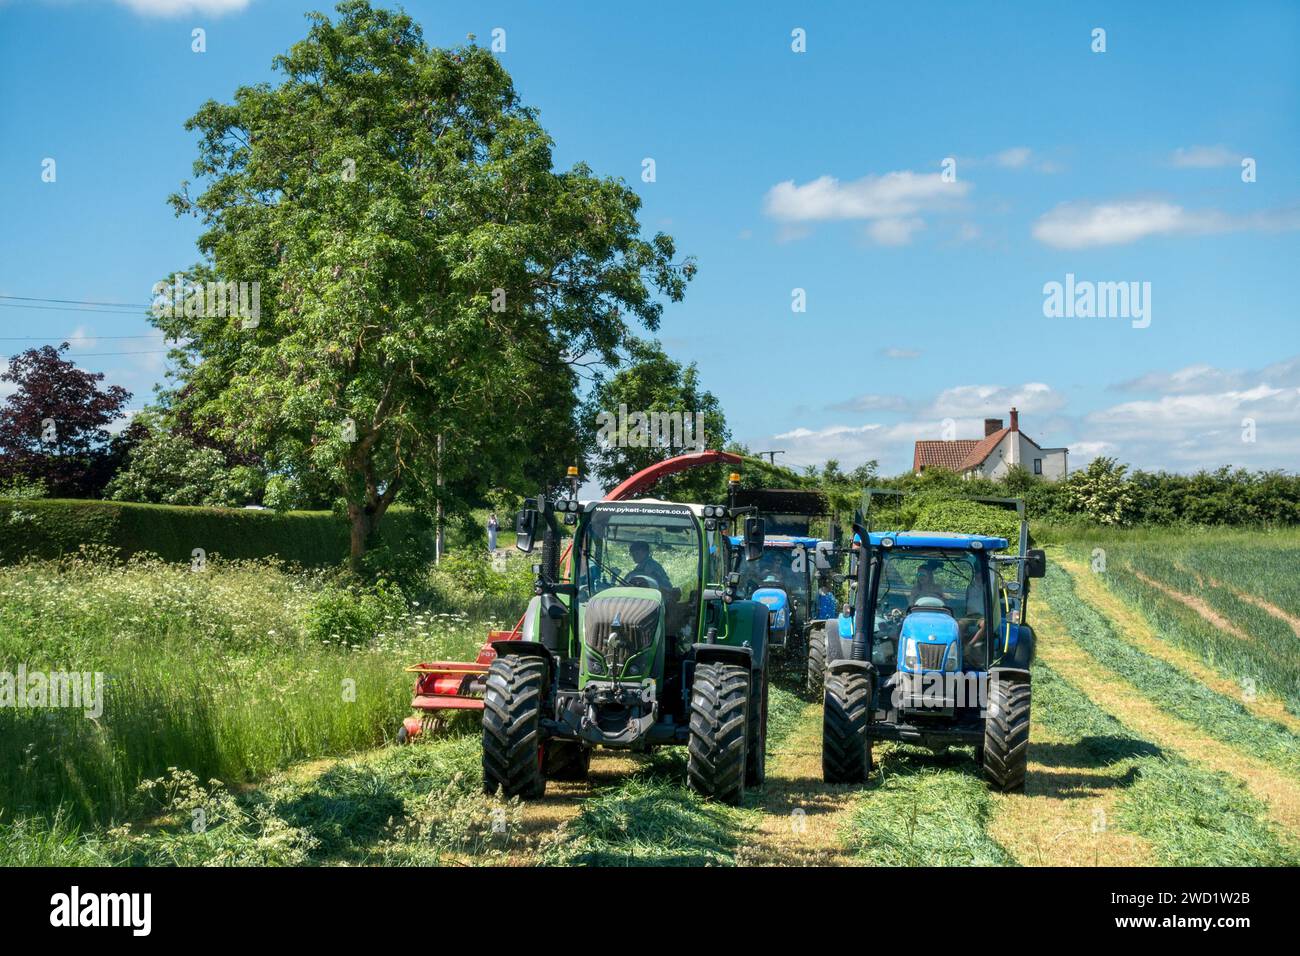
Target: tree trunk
pixel 438 541
pixel 362 525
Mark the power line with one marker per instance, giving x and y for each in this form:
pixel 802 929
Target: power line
pixel 73 338
pixel 81 355
pixel 28 298
pixel 73 308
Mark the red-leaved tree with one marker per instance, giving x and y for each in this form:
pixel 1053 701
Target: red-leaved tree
pixel 54 425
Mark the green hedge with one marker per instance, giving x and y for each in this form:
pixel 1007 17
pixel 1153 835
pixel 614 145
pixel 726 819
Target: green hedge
pixel 50 527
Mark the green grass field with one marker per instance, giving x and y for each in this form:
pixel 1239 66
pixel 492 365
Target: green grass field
pixel 249 710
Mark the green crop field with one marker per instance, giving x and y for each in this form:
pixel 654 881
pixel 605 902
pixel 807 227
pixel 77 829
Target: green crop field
pixel 261 700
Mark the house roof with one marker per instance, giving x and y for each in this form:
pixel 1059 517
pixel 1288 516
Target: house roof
pixel 962 454
pixel 942 454
pixel 983 448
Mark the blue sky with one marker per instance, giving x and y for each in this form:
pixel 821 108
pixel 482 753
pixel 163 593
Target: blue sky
pixel 779 170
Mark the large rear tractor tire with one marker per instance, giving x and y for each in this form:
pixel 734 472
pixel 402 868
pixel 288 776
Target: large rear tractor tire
pixel 1006 733
pixel 756 756
pixel 715 765
pixel 846 748
pixel 816 661
pixel 512 740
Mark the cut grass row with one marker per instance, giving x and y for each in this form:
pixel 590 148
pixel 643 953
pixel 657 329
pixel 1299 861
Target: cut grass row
pixel 1098 792
pixel 1246 641
pixel 1186 814
pixel 1172 690
pixel 653 819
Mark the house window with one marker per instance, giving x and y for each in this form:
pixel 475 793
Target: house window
pixel 1038 466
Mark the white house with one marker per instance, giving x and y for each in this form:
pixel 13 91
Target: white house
pixel 992 456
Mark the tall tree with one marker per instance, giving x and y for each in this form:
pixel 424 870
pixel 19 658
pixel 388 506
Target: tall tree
pixel 425 274
pixel 54 425
pixel 622 437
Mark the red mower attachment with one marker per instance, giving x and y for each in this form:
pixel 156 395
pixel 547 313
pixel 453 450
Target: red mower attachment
pixel 450 685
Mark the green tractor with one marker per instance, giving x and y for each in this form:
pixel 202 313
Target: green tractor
pixel 641 643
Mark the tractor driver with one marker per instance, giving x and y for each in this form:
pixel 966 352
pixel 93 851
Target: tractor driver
pixel 925 584
pixel 974 626
pixel 647 566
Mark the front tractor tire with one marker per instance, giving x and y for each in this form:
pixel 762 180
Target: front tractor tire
pixel 716 761
pixel 756 758
pixel 1006 733
pixel 816 661
pixel 846 748
pixel 513 750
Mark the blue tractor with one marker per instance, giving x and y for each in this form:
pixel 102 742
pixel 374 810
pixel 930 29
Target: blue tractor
pixel 933 650
pixel 790 580
pixel 797 575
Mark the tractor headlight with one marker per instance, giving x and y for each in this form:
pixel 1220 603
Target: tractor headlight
pixel 952 660
pixel 909 654
pixel 636 667
pixel 595 665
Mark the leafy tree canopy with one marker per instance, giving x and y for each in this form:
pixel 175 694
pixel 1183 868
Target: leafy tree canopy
pixel 427 280
pixel 687 417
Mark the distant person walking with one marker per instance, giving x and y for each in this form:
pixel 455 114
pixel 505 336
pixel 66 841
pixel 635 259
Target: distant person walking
pixel 492 531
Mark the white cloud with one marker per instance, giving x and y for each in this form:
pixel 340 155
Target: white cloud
pixel 894 232
pixel 174 8
pixel 1202 378
pixel 995 400
pixel 1080 225
pixel 1202 417
pixel 1014 158
pixel 891 444
pixel 1199 417
pixel 870 403
pixel 894 195
pixel 894 353
pixel 1204 157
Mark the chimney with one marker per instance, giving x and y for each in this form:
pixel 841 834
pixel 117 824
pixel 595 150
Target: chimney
pixel 992 425
pixel 1015 420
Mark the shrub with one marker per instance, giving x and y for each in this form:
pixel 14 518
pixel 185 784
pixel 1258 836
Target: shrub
pixel 52 527
pixel 1101 493
pixel 169 469
pixel 354 614
pixel 19 488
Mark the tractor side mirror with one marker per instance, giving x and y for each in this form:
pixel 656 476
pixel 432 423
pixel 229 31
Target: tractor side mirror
pixel 1035 563
pixel 526 529
pixel 826 556
pixel 755 533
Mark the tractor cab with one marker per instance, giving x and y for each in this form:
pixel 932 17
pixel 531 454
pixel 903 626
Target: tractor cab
pixel 933 613
pixel 784 580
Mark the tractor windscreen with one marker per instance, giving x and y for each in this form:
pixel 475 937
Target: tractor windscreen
pixel 641 547
pixel 782 567
pixel 915 576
